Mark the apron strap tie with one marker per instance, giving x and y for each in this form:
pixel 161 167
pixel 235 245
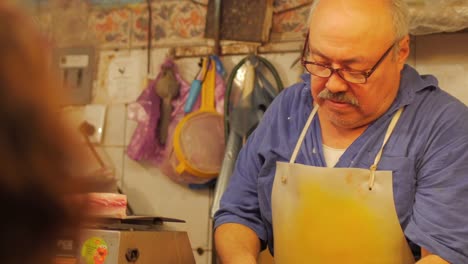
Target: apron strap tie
pixel 373 168
pixel 391 126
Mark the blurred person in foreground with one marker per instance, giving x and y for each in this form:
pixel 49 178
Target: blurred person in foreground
pixel 36 153
pixel 365 161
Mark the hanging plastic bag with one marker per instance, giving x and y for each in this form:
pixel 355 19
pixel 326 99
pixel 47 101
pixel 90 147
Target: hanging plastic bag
pixel 144 145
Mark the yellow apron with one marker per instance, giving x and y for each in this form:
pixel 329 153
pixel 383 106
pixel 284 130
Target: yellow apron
pixel 336 215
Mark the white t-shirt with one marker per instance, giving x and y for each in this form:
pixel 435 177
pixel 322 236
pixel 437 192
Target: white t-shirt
pixel 332 155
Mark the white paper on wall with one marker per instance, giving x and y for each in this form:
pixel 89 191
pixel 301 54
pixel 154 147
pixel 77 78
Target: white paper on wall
pixel 452 78
pixel 124 79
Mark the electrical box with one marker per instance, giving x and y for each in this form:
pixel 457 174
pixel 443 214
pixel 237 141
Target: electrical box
pixel 76 67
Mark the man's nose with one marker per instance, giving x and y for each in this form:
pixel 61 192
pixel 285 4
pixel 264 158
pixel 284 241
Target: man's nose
pixel 336 84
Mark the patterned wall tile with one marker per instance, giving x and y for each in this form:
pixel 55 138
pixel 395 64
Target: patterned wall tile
pixel 111 27
pixel 171 20
pixel 180 19
pixel 114 2
pixel 139 27
pixel 281 5
pixel 291 21
pixel 70 23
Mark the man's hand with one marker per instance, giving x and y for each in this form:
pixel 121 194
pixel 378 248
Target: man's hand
pixel 236 243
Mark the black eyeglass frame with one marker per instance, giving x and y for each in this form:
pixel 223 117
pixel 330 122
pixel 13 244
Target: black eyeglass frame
pixel 365 74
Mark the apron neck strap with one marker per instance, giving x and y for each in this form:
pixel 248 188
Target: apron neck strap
pixel 303 133
pixel 391 126
pixel 390 129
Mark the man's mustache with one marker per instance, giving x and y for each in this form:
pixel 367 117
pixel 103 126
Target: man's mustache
pixel 340 97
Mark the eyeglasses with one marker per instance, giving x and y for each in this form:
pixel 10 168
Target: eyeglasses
pixel 325 71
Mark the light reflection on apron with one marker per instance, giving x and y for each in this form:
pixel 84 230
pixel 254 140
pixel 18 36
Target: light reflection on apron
pixel 336 215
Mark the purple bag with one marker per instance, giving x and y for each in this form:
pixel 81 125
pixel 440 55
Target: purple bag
pixel 144 145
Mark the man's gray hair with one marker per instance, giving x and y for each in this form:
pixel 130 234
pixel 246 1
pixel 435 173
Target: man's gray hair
pixel 399 12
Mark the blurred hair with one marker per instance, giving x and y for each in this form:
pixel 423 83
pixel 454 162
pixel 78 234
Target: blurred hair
pixel 400 16
pixel 35 148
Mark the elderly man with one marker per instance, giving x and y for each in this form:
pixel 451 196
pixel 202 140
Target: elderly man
pixel 365 161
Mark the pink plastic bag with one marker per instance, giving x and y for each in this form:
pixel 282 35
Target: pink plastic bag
pixel 144 145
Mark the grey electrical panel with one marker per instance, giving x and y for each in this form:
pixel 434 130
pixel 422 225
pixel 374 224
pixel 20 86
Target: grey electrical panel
pixel 76 66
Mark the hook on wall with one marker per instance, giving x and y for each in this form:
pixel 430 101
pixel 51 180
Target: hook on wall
pixel 171 53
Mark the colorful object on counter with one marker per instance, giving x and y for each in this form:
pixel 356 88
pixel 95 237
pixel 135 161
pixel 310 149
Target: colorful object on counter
pixel 95 250
pixel 199 137
pixel 111 205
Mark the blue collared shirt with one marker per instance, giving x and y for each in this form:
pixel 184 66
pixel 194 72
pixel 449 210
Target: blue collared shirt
pixel 427 153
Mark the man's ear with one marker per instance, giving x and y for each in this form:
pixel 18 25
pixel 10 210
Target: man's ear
pixel 404 51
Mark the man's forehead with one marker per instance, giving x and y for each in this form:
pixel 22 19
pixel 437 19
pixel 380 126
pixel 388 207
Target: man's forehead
pixel 349 58
pixel 357 34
